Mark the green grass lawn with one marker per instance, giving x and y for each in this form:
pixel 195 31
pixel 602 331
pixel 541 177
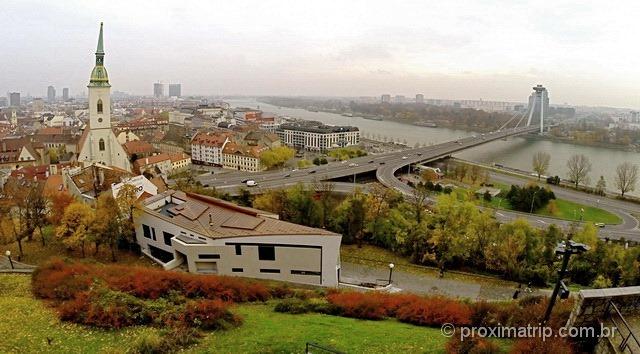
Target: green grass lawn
pixel 564 208
pixel 571 211
pixel 26 323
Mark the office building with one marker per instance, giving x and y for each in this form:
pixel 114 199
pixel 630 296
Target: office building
pixel 14 99
pixel 385 99
pixel 51 94
pixel 175 90
pixel 315 136
pixel 399 99
pixel 158 90
pixel 65 94
pixel 213 236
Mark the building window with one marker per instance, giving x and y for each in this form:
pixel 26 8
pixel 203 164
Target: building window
pixel 100 106
pixel 101 145
pixel 269 270
pixel 237 270
pixel 146 231
pixel 266 253
pixel 238 250
pixel 304 272
pixel 209 256
pixel 153 233
pixel 167 238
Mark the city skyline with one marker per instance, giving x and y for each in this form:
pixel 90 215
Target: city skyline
pixel 580 51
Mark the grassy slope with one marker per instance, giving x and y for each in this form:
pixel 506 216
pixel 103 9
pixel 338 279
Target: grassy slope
pixel 25 324
pixel 564 208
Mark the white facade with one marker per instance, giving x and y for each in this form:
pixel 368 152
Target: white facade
pixel 241 162
pixel 317 140
pixel 140 183
pixel 295 254
pixel 205 152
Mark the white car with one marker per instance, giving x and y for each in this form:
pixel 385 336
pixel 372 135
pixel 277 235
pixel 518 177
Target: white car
pixel 353 164
pixel 404 157
pixel 599 224
pixel 251 183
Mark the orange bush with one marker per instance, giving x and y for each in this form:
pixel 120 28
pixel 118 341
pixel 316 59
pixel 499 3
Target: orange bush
pixel 538 346
pixel 58 280
pixel 358 305
pixel 471 345
pixel 435 311
pixel 210 314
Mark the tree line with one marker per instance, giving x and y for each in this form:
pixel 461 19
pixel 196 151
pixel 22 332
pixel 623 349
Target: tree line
pixel 452 233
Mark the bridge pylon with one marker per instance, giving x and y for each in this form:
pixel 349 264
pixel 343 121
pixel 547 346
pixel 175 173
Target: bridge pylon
pixel 538 104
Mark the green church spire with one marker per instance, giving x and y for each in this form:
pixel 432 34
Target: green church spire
pixel 99 75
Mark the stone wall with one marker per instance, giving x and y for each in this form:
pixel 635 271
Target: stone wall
pixel 592 304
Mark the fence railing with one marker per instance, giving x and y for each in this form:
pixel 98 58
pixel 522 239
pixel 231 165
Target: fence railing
pixel 317 348
pixel 629 341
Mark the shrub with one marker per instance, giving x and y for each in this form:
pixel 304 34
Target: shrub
pixel 484 314
pixel 537 345
pixel 106 308
pixel 57 280
pixel 281 291
pixel 293 306
pixel 210 314
pixel 435 311
pixel 471 345
pixel 149 343
pixel 358 305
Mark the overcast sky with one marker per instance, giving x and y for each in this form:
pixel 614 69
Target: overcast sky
pixel 584 52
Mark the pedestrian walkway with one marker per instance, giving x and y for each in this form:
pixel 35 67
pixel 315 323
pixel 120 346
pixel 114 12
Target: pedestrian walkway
pixel 426 284
pixel 18 267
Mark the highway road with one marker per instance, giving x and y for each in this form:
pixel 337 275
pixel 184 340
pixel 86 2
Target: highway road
pixel 386 165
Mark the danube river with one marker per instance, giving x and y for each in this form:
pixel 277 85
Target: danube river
pixel 515 152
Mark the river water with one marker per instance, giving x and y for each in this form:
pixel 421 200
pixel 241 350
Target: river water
pixel 515 152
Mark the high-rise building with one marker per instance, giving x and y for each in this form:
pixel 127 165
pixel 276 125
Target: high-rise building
pixel 98 143
pixel 51 94
pixel 65 94
pixel 14 99
pixel 158 89
pixel 399 99
pixel 175 90
pixel 420 98
pixel 385 98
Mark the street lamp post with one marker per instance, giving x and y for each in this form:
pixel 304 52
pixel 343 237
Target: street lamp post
pixel 533 198
pixel 566 249
pixel 391 266
pixel 8 254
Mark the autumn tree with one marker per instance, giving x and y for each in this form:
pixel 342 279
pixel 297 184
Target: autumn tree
pixel 626 177
pixel 276 157
pixel 475 173
pixel 37 209
pixel 601 186
pixel 578 167
pixel 126 201
pixel 75 226
pixel 541 162
pixel 58 202
pixel 324 191
pixel 107 227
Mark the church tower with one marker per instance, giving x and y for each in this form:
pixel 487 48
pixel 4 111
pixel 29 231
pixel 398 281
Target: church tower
pixel 99 144
pixel 99 91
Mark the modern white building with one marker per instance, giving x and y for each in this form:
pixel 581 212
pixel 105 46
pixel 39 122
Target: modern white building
pixel 213 236
pixel 315 136
pixel 98 143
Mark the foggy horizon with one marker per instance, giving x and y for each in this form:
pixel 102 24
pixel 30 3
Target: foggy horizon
pixel 582 52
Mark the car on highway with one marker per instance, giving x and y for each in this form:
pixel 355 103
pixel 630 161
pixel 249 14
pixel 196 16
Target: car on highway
pixel 251 183
pixel 353 164
pixel 371 161
pixel 382 162
pixel 404 157
pixel 312 171
pixel 419 154
pixel 287 175
pixel 599 224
